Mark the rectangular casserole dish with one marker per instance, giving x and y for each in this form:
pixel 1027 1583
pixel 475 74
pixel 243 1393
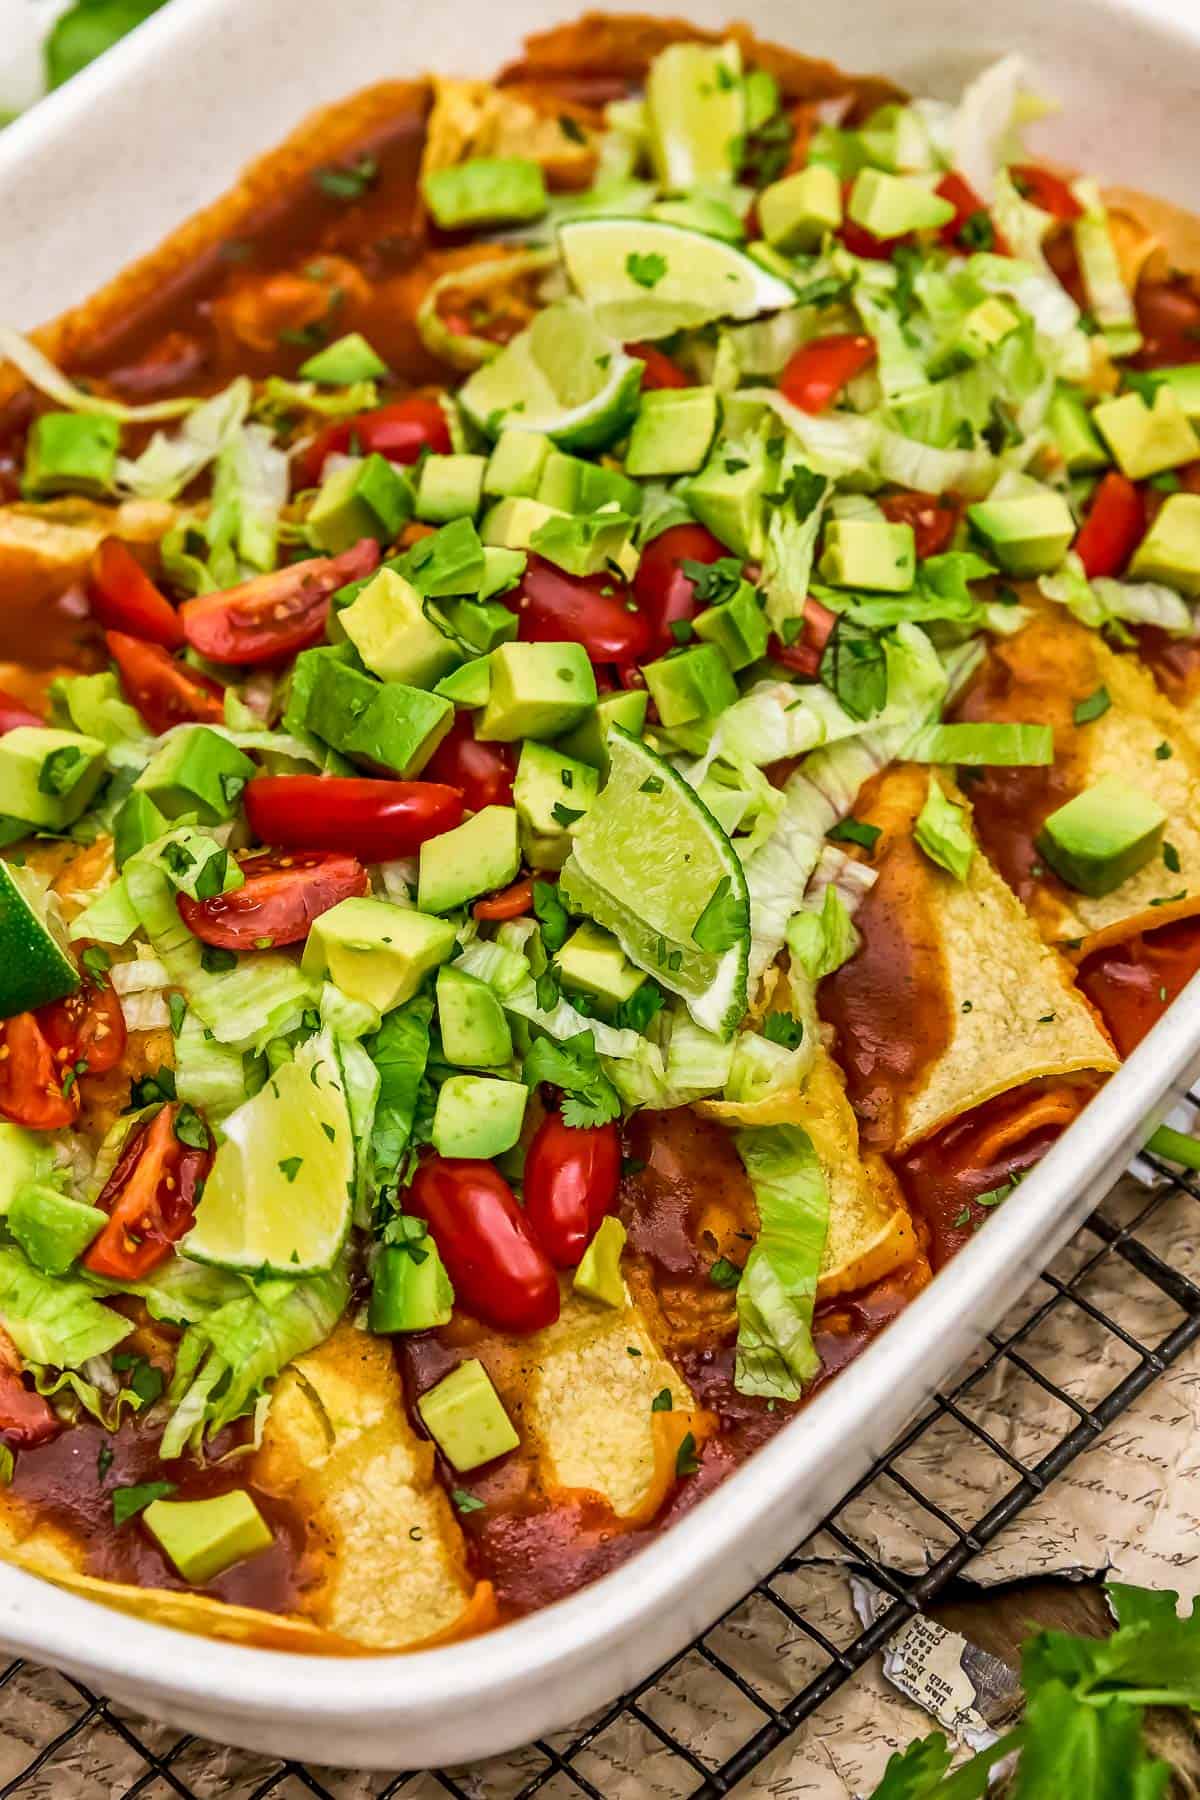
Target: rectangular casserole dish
pixel 95 178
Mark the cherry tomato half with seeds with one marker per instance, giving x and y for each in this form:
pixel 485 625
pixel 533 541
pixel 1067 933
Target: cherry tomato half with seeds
pixel 87 1026
pixel 1043 189
pixel 123 598
pixel 26 1420
pixel 399 431
pixel 31 1091
pixel 595 611
pixel 570 1183
pixel 373 820
pixel 803 655
pixel 659 371
pixel 664 593
pixel 482 773
pixel 14 712
pixel 1168 316
pixel 815 376
pixel 1113 529
pixel 934 519
pixel 274 616
pixel 508 903
pixel 499 1272
pixel 165 692
pixel 284 892
pixel 150 1198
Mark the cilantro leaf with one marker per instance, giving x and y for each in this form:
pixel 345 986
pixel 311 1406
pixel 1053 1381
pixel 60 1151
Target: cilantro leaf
pixel 854 669
pixel 127 1502
pixel 725 919
pixel 647 270
pixel 589 1097
pixel 551 915
pixel 713 582
pixel 783 1028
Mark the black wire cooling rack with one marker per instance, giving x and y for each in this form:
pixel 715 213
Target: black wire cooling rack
pixel 59 1739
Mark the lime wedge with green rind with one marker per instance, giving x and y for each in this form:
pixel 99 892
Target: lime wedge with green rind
pixel 280 1194
pixel 562 376
pixel 644 278
pixel 34 966
pixel 650 863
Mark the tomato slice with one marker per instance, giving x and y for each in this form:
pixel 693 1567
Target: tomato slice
pixel 803 655
pixel 123 598
pixel 14 712
pixel 592 611
pixel 283 893
pixel 164 691
pixel 1046 190
pixel 26 1420
pixel 508 903
pixel 570 1182
pixel 150 1198
pixel 87 1026
pixel 374 820
pixel 817 373
pixel 498 1271
pixel 933 517
pixel 659 371
pixel 274 616
pixel 971 217
pixel 1113 529
pixel 664 594
pixel 400 432
pixel 1168 316
pixel 482 773
pixel 31 1092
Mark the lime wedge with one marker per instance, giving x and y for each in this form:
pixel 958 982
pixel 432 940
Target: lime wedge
pixel 280 1194
pixel 562 376
pixel 650 863
pixel 34 967
pixel 643 278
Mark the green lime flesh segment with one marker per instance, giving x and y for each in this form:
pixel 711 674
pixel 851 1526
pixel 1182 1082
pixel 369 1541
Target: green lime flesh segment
pixel 34 968
pixel 280 1194
pixel 646 862
pixel 562 377
pixel 643 278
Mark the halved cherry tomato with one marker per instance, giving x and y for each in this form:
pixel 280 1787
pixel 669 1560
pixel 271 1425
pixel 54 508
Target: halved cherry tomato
pixel 593 611
pixel 803 655
pixel 123 598
pixel 14 712
pixel 87 1026
pixel 25 1418
pixel 283 893
pixel 1168 316
pixel 817 373
pixel 660 371
pixel 399 431
pixel 499 1273
pixel 933 517
pixel 164 691
pixel 571 1180
pixel 1113 529
pixel 967 207
pixel 274 616
pixel 663 592
pixel 1046 190
pixel 30 1090
pixel 150 1198
pixel 373 820
pixel 508 903
pixel 482 773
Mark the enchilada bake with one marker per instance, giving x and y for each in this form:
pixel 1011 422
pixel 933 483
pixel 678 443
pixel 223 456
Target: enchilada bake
pixel 599 748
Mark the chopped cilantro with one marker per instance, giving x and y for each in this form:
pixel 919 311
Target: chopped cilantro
pixel 127 1502
pixel 647 270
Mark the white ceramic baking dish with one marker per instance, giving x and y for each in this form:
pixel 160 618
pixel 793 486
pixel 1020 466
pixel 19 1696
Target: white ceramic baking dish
pixel 95 177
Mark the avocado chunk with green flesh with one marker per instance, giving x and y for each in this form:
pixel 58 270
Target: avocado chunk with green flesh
pixel 871 554
pixel 551 791
pixel 138 823
pixel 511 523
pixel 1028 535
pixel 796 213
pixel 599 1273
pixel 48 777
pixel 691 684
pixel 593 962
pixel 410 1289
pixel 450 487
pixel 985 327
pixel 203 1538
pixel 695 114
pixel 387 725
pixel 376 952
pixel 475 1032
pixel 298 689
pixel 569 484
pixel 601 543
pixel 388 627
pixel 465 1417
pixel 1170 550
pixel 351 358
pixel 738 627
pixel 587 743
pixel 538 691
pixel 890 206
pixel 502 570
pixel 514 469
pixel 482 854
pixel 1146 440
pixel 673 431
pixel 34 965
pixel 1103 836
pixel 484 190
pixel 24 1156
pixel 363 499
pixel 478 1115
pixel 727 496
pixel 70 453
pixel 52 1229
pixel 196 771
pixel 1184 382
pixel 483 623
pixel 468 686
pixel 1070 425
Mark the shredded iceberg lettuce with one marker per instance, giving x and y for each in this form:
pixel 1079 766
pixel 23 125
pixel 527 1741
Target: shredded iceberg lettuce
pixel 170 462
pixel 775 1353
pixel 54 1319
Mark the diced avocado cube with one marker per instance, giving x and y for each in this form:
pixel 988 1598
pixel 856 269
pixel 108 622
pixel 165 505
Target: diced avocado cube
pixel 1071 427
pixel 727 496
pixel 551 790
pixel 738 627
pixel 1184 382
pixel 70 453
pixel 593 962
pixel 351 358
pixel 869 553
pixel 477 856
pixel 485 190
pixel 1103 836
pixel 695 114
pixel 299 684
pixel 1028 535
pixel 470 685
pixel 1146 440
pixel 137 824
pixel 464 1416
pixel 510 524
pixel 588 742
pixel 483 623
pixel 203 1538
pixel 599 1273
pixel 376 952
pixel 409 1292
pixel 595 545
pixel 386 490
pixel 538 691
pixel 387 725
pixel 196 771
pixel 478 1115
pixel 515 466
pixel 673 431
pixel 388 627
pixel 796 213
pixel 475 1033
pixel 1170 550
pixel 363 499
pixel 985 327
pixel 690 684
pixel 48 777
pixel 24 1156
pixel 502 570
pixel 570 484
pixel 51 1228
pixel 890 206
pixel 444 563
pixel 701 212
pixel 761 93
pixel 450 487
